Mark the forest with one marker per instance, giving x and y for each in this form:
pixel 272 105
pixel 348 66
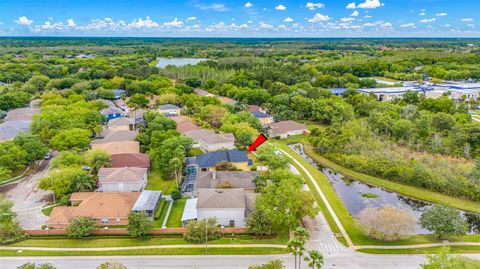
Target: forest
pixel 425 142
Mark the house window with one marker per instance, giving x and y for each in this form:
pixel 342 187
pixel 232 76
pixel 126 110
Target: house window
pixel 232 223
pixel 104 221
pixel 117 221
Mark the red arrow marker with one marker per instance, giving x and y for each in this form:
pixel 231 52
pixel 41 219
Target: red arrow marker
pixel 260 140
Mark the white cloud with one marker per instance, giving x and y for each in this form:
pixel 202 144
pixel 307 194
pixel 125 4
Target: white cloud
pixel 280 7
pixel 174 23
pixel 71 23
pixel 319 17
pixel 351 5
pixel 471 25
pixel 264 25
pixel 370 4
pixel 441 14
pixel 408 25
pixel 193 18
pixel 367 17
pixel 467 19
pixel 248 4
pixel 213 6
pixel 288 19
pixel 313 6
pixel 250 22
pixel 347 19
pixel 386 25
pixel 422 13
pixel 447 25
pixel 428 20
pixel 24 21
pixel 355 13
pixel 143 24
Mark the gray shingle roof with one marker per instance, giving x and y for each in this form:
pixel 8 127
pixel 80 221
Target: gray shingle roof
pixel 10 129
pixel 168 106
pixel 221 198
pixel 239 179
pixel 210 159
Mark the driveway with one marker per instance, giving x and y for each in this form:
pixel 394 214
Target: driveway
pixel 28 199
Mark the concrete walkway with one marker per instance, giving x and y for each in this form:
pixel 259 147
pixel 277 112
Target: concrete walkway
pixel 324 199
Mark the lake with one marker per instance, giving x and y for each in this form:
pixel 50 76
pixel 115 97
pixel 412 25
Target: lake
pixel 356 196
pixel 163 62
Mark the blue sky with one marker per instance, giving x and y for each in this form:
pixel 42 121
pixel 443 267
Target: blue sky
pixel 222 18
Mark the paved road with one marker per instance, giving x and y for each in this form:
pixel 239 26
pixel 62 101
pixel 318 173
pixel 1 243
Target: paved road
pixel 28 199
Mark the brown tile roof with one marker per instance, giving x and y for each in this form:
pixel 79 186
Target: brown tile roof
pixel 119 147
pixel 123 135
pixel 121 122
pixel 226 100
pixel 254 108
pixel 131 160
pixel 239 179
pixel 221 198
pixel 121 174
pixel 184 127
pixel 96 205
pixel 285 126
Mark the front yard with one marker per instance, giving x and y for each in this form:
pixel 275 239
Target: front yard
pixel 157 183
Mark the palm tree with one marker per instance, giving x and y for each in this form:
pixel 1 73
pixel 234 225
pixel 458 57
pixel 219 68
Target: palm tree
pixel 176 162
pixel 314 259
pixel 302 235
pixel 295 246
pixel 83 183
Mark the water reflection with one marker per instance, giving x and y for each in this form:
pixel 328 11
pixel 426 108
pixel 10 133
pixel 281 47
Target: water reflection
pixel 357 196
pixel 163 62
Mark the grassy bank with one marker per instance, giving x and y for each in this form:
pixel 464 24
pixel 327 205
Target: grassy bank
pixel 169 251
pixel 353 229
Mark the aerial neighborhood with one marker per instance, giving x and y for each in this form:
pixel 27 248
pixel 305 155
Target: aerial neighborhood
pixel 305 147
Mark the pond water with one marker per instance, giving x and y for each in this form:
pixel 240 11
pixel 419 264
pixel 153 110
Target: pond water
pixel 163 62
pixel 357 196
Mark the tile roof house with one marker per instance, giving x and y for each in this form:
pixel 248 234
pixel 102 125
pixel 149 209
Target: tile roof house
pixel 255 108
pixel 119 93
pixel 124 135
pixel 183 127
pixel 264 118
pixel 208 161
pixel 208 141
pixel 112 113
pixel 182 119
pixel 25 114
pixel 10 129
pixel 226 101
pixel 124 179
pixel 226 205
pixel 131 160
pixel 201 92
pixel 284 129
pixel 107 209
pixel 119 147
pixel 169 110
pixel 233 179
pixel 119 124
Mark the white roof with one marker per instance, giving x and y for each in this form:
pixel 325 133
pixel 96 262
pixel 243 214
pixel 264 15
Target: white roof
pixel 190 211
pixel 390 90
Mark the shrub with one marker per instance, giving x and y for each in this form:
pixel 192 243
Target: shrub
pixel 196 231
pixel 81 227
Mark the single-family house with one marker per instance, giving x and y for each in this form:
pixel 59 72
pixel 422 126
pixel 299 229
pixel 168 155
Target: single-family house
pixel 255 108
pixel 121 124
pixel 169 110
pixel 207 140
pixel 24 114
pixel 184 127
pixel 226 205
pixel 284 129
pixel 122 179
pixel 226 179
pixel 264 118
pixel 10 129
pixel 107 209
pixel 119 147
pixel 148 202
pixel 182 119
pixel 226 101
pixel 208 161
pixel 201 92
pixel 131 160
pixel 111 113
pixel 123 135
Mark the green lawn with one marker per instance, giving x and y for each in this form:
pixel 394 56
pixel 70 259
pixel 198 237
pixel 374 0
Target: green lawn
pixel 351 226
pixel 161 213
pixel 170 251
pixel 47 210
pixel 453 249
pixel 155 182
pixel 175 218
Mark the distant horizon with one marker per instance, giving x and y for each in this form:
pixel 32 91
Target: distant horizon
pixel 249 37
pixel 241 18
